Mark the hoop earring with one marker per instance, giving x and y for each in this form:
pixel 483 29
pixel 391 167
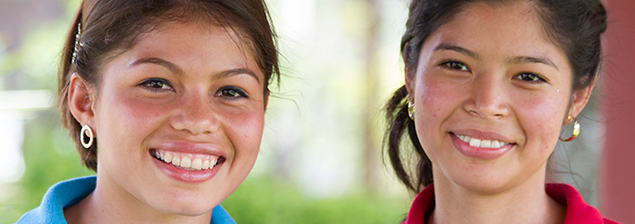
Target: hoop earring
pixel 576 130
pixel 411 109
pixel 90 136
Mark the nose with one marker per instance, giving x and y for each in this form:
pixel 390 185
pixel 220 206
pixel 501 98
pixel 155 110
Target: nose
pixel 488 97
pixel 195 114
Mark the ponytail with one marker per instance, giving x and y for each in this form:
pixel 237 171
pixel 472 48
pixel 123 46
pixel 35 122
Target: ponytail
pixel 398 123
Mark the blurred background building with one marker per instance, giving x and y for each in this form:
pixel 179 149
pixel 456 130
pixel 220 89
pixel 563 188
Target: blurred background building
pixel 320 160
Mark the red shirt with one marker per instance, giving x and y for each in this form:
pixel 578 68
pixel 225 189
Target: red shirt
pixel 578 212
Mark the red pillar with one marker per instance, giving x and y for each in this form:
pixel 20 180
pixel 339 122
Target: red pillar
pixel 617 176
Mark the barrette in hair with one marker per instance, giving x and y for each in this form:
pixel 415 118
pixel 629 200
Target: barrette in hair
pixel 78 44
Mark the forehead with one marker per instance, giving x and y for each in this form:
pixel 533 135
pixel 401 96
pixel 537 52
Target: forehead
pixel 517 20
pixel 206 27
pixel 209 41
pixel 498 30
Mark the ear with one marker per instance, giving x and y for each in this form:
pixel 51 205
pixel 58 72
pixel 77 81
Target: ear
pixel 80 100
pixel 409 82
pixel 408 77
pixel 580 98
pixel 266 99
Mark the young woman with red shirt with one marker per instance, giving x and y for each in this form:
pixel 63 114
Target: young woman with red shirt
pixel 489 85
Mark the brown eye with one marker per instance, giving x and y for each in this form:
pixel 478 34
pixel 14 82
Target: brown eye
pixel 231 92
pixel 156 84
pixel 455 65
pixel 530 77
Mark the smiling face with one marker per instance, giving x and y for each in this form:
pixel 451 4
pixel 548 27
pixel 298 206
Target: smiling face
pixel 184 98
pixel 491 93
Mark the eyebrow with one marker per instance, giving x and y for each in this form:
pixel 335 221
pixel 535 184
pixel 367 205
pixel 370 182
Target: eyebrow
pixel 238 71
pixel 157 61
pixel 176 70
pixel 527 59
pixel 452 47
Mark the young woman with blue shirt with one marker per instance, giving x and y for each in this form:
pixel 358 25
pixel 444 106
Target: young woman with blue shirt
pixel 165 101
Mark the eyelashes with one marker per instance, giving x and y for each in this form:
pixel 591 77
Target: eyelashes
pixel 231 92
pixel 530 77
pixel 525 76
pixel 159 85
pixel 455 65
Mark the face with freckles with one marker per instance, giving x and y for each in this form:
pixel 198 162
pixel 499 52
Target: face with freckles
pixel 178 119
pixel 491 94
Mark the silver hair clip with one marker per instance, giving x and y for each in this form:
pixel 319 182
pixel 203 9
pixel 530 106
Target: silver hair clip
pixel 78 44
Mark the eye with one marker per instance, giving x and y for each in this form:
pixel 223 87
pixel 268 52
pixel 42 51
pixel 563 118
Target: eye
pixel 455 65
pixel 530 77
pixel 157 84
pixel 231 92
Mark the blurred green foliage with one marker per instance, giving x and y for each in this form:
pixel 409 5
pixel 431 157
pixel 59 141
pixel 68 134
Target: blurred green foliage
pixel 49 156
pixel 266 201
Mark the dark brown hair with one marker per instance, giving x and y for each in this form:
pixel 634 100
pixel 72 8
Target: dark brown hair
pixel 575 26
pixel 110 27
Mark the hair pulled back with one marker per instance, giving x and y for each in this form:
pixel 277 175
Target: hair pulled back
pixel 110 27
pixel 575 26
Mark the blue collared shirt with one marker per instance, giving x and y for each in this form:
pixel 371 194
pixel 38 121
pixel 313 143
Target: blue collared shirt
pixel 69 192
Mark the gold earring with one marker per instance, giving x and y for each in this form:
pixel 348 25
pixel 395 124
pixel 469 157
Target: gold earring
pixel 576 130
pixel 411 109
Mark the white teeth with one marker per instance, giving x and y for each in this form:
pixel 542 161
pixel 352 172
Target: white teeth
pixel 168 157
pixel 196 164
pixel 186 162
pixel 495 144
pixel 176 161
pixel 486 143
pixel 475 142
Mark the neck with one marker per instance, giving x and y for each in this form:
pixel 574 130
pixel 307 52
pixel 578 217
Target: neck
pixel 112 204
pixel 524 203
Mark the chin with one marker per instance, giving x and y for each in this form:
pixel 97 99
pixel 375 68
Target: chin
pixel 179 202
pixel 483 184
pixel 485 188
pixel 192 208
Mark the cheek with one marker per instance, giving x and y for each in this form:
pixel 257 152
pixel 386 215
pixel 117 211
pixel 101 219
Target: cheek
pixel 435 101
pixel 137 115
pixel 541 119
pixel 247 124
pixel 127 120
pixel 244 130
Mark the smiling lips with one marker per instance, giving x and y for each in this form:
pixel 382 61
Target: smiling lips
pixel 475 142
pixel 187 161
pixel 479 148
